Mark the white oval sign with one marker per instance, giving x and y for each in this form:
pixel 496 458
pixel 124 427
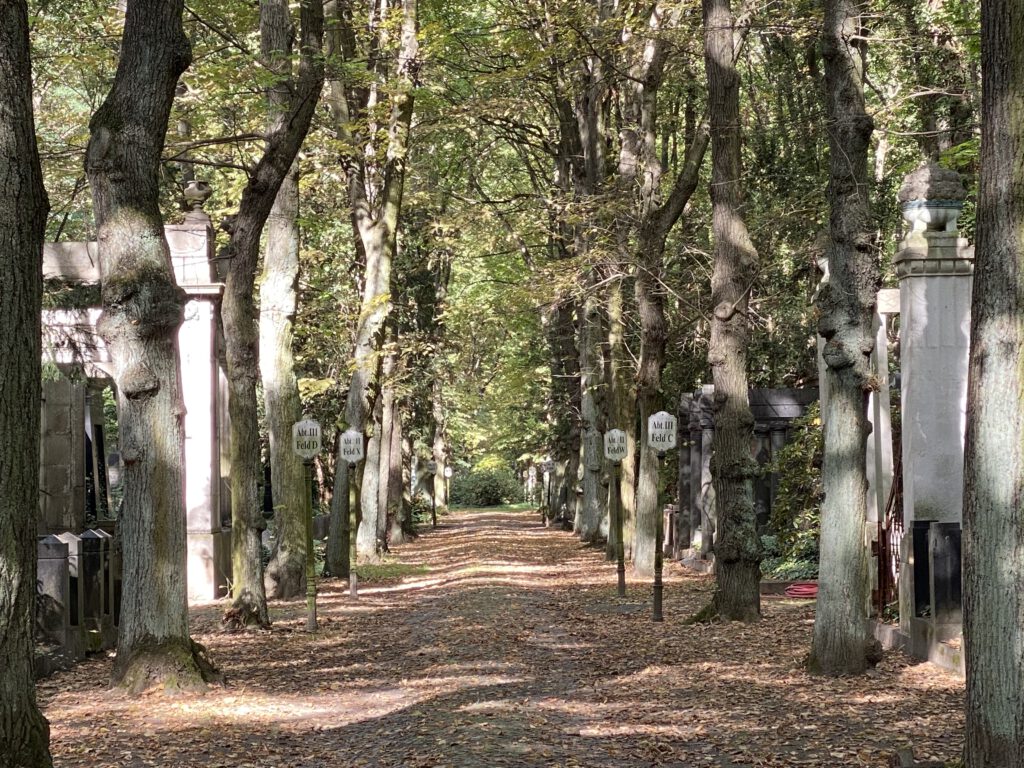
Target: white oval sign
pixel 432 467
pixel 352 446
pixel 615 447
pixel 306 438
pixel 661 431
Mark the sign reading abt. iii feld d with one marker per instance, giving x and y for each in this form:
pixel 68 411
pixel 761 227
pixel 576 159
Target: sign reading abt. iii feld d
pixel 306 438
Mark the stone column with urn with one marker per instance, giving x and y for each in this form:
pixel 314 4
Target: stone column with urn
pixel 935 269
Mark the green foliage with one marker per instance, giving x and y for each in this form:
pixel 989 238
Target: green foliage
pixel 800 562
pixel 486 488
pixel 791 550
pixel 421 510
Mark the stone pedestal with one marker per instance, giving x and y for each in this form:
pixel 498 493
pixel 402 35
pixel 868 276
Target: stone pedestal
pixel 935 271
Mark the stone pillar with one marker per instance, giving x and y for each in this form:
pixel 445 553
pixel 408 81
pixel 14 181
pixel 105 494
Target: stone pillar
pixel 62 452
pixel 707 490
pixel 696 515
pixel 76 599
pixel 684 514
pixel 935 268
pixel 53 592
pixel 209 556
pixel 764 482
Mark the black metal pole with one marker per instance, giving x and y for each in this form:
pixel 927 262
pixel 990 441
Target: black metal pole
pixel 310 563
pixel 433 501
pixel 658 546
pixel 620 546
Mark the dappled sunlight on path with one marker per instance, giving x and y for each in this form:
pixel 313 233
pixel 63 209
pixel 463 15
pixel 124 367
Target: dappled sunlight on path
pixel 506 646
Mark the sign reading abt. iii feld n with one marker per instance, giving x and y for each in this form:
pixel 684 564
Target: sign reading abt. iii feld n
pixel 661 431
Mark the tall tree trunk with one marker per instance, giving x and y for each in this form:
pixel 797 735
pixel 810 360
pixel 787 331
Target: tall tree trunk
pixel 737 548
pixel 142 311
pixel 24 732
pixel 397 479
pixel 292 108
pixel 439 443
pixel 564 409
pixel 994 460
pixel 623 411
pixel 376 182
pixel 594 502
pixel 653 331
pixel 847 305
pixel 286 572
pixel 369 544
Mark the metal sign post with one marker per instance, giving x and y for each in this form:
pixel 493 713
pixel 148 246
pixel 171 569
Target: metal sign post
pixel 615 450
pixel 432 469
pixel 661 436
pixel 352 450
pixel 448 472
pixel 306 444
pixel 547 467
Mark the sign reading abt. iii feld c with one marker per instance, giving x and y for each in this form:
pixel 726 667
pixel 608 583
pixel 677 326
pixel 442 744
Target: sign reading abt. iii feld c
pixel 661 431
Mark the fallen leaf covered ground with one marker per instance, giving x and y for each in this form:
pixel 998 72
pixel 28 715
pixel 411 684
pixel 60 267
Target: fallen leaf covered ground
pixel 507 646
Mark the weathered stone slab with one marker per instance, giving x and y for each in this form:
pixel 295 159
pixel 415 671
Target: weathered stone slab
pixel 53 591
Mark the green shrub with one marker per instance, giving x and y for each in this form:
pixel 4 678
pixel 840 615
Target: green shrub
pixel 486 488
pixel 791 551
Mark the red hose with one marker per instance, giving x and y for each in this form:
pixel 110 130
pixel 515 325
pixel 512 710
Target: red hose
pixel 807 590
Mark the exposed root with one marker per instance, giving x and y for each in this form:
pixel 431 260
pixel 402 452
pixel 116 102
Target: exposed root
pixel 171 667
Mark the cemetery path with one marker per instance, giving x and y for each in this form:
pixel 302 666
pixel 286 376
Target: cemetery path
pixel 503 644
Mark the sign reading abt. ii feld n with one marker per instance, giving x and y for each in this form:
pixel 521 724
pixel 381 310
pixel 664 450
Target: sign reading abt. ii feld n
pixel 661 431
pixel 306 438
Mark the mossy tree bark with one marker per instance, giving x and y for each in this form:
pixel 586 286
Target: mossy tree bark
pixel 285 574
pixel 374 164
pixel 24 732
pixel 293 105
pixel 847 306
pixel 737 546
pixel 142 311
pixel 994 456
pixel 622 411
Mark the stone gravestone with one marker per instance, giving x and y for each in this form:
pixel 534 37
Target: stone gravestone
pixel 109 619
pixel 75 642
pixel 93 588
pixel 53 592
